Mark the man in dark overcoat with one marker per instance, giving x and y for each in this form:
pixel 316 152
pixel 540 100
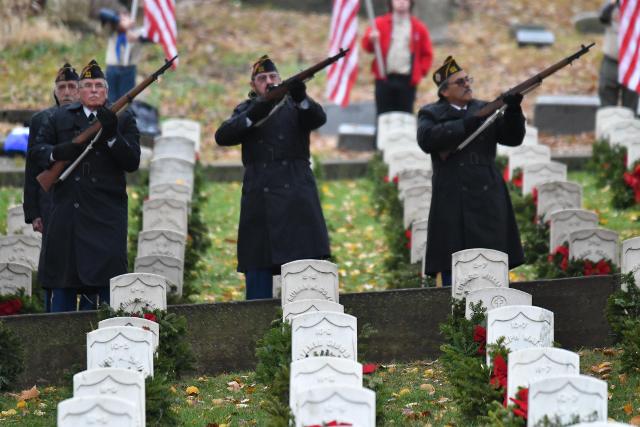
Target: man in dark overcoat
pixel 281 218
pixel 470 205
pixel 86 241
pixel 35 201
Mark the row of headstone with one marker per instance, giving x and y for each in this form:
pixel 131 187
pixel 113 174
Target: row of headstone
pixel 325 377
pixel 618 126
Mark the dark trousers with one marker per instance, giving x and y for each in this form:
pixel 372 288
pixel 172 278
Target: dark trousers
pixel 66 299
pixel 259 283
pixel 446 278
pixel 610 91
pixel 395 94
pixel 121 79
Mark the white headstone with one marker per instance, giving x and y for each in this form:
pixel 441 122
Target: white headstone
pixel 563 222
pixel 20 250
pixel 530 138
pixel 495 298
pixel 558 195
pixel 567 397
pixel 176 147
pixel 322 371
pixel 121 347
pixel 180 192
pixel 113 382
pixel 408 160
pixel 393 123
pixel 171 171
pixel 630 259
pixel 324 333
pixel 478 268
pixel 184 128
pixel 622 130
pixel 602 424
pixel 134 322
pixel 530 364
pixel 146 154
pixel 16 224
pixel 172 269
pixel 594 244
pixel 105 411
pixel 523 326
pixel 165 214
pixel 397 138
pixel 536 174
pixel 134 292
pixel 309 279
pixel 526 155
pixel 417 201
pixel 14 277
pixel 161 242
pixel 354 406
pixel 633 151
pixel 418 240
pixel 410 178
pixel 291 310
pixel 605 116
pixel 276 289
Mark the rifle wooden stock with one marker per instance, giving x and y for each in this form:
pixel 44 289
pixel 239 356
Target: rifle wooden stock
pixel 50 176
pixel 278 92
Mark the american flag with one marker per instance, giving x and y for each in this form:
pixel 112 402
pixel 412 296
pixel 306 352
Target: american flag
pixel 629 42
pixel 160 25
pixel 344 33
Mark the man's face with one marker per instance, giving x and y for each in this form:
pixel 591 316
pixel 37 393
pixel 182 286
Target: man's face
pixel 93 92
pixel 459 90
pixel 66 91
pixel 262 81
pixel 401 6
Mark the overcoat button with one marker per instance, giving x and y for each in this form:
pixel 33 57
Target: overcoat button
pixel 286 186
pixel 77 178
pixel 485 188
pixel 76 205
pixel 461 163
pixel 284 162
pixel 93 179
pixel 280 136
pixel 464 188
pixel 266 189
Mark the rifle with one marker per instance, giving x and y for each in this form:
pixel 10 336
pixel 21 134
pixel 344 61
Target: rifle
pixel 50 176
pixel 497 106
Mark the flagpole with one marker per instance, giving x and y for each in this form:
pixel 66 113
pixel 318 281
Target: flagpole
pixel 376 42
pixel 134 15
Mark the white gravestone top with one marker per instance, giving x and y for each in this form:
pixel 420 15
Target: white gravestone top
pixel 14 277
pixel 180 192
pixel 558 195
pixel 134 292
pixel 20 250
pixel 622 130
pixel 495 298
pixel 354 406
pixel 176 147
pixel 630 259
pixel 417 201
pixel 410 178
pixel 530 364
pixel 171 171
pixel 478 268
pixel 608 115
pixel 418 240
pixel 523 326
pixel 594 244
pixel 526 155
pixel 121 347
pixel 146 154
pixel 633 151
pixel 184 128
pixel 324 333
pixel 134 322
pixel 322 371
pixel 539 173
pixel 566 397
pixel 105 411
pixel 16 224
pixel 113 382
pixel 293 309
pixel 309 279
pixel 530 138
pixel 562 223
pixel 165 214
pixel 172 269
pixel 161 242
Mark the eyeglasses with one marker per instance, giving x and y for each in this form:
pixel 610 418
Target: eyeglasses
pixel 97 86
pixel 261 78
pixel 462 81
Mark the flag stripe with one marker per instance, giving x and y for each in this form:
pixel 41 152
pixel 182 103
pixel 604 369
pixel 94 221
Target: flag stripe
pixel 160 25
pixel 629 43
pixel 341 75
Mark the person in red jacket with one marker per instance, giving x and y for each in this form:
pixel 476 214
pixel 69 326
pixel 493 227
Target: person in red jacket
pixel 406 53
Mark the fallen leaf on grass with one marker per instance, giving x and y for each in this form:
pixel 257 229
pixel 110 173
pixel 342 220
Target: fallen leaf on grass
pixel 218 402
pixel 21 404
pixel 628 408
pixel 428 373
pixel 234 386
pixel 428 388
pixel 610 351
pixel 635 421
pixel 602 368
pixel 622 378
pixel 443 400
pixel 32 393
pixel 404 391
pixel 192 390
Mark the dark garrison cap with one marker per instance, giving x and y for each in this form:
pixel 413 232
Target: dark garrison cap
pixel 92 71
pixel 66 73
pixel 263 65
pixel 448 67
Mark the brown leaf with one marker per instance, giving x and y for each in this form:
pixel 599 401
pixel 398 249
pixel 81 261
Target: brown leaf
pixel 602 368
pixel 635 421
pixel 623 378
pixel 610 352
pixel 233 386
pixel 628 408
pixel 32 393
pixel 428 388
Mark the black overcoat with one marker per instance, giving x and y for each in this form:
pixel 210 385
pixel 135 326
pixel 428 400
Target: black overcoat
pixel 470 205
pixel 86 240
pixel 35 201
pixel 280 214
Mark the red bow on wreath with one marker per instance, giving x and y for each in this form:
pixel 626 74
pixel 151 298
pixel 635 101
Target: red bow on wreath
pixel 12 306
pixel 480 336
pixel 633 180
pixel 564 252
pixel 521 403
pixel 499 375
pixel 601 267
